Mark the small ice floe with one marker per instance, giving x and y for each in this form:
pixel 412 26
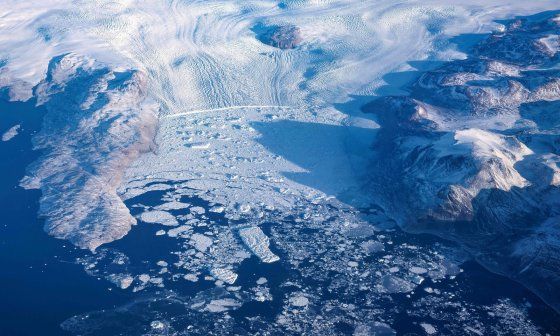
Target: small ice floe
pixel 261 281
pixel 299 300
pixel 157 281
pixel 157 325
pixel 375 328
pixel 191 277
pixel 144 277
pixel 258 243
pixel 392 284
pixel 159 217
pixel 175 232
pixel 225 275
pixel 11 133
pixel 428 328
pixel 217 209
pixel 200 145
pixel 172 206
pixel 160 232
pixel 197 210
pixel 372 246
pixel 162 263
pixel 122 280
pixel 220 305
pixel 353 264
pixel 418 270
pixel 201 242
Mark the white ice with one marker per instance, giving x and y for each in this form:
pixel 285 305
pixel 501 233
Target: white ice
pixel 11 133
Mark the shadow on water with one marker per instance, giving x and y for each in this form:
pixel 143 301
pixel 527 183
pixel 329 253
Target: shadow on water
pixel 316 148
pixel 40 286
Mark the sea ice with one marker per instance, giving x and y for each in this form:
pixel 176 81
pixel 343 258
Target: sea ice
pixel 428 328
pixel 11 133
pixel 175 232
pixel 258 242
pixel 159 217
pixel 201 242
pixel 225 275
pixel 299 301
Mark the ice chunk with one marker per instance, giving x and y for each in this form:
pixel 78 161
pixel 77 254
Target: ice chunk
pixel 11 133
pixel 393 284
pixel 418 270
pixel 191 277
pixel 178 230
pixel 225 275
pixel 428 328
pixel 372 246
pixel 198 210
pixel 159 217
pixel 201 242
pixel 299 300
pixel 144 277
pixel 217 209
pixel 157 325
pixel 173 206
pixel 220 305
pixel 258 243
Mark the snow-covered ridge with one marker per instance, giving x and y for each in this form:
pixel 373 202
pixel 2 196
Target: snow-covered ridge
pixel 471 153
pixel 98 121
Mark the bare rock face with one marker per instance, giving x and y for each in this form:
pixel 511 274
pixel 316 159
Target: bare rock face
pixel 282 37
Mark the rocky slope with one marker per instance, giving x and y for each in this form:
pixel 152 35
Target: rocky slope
pixel 471 154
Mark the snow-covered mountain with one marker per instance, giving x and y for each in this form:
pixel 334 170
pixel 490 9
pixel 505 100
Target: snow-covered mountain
pixel 471 154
